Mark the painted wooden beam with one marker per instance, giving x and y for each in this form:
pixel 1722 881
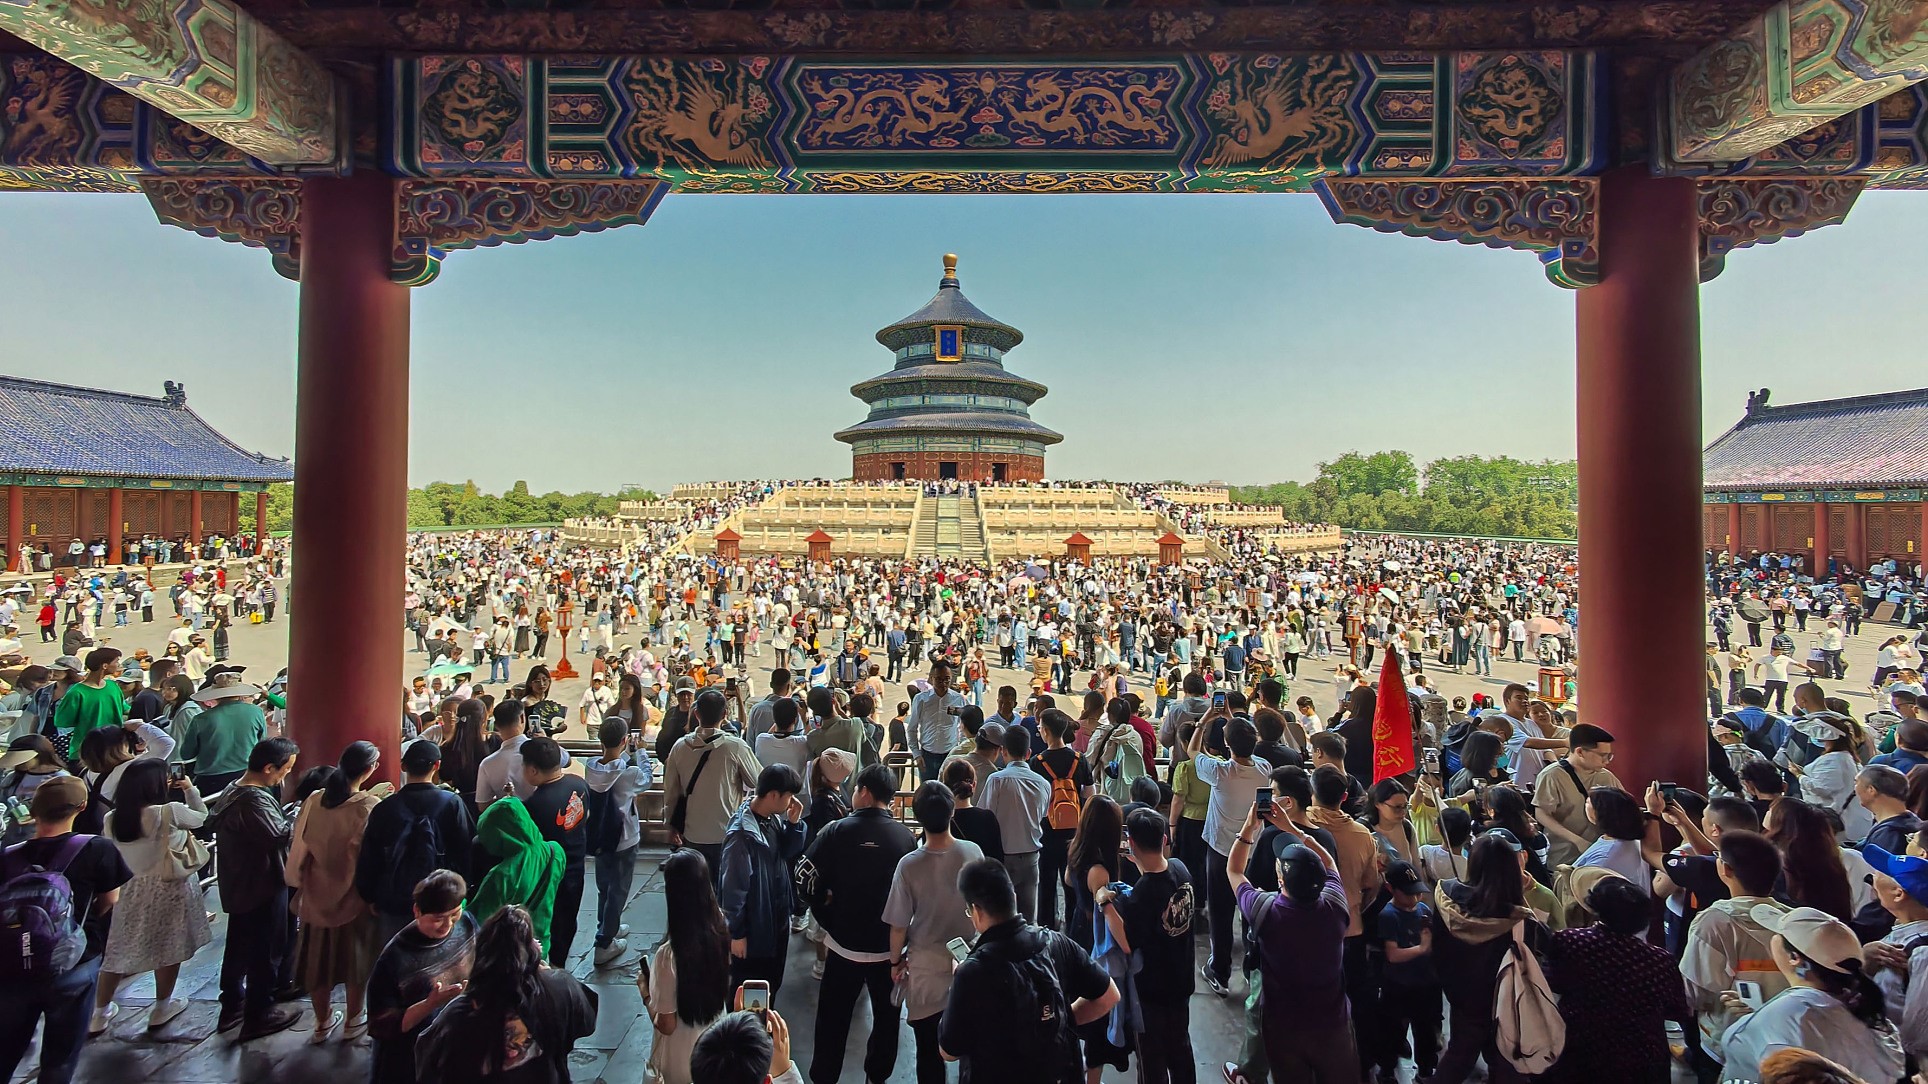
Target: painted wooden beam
pixel 1801 64
pixel 207 62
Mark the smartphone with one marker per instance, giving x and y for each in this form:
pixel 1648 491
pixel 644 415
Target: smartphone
pixel 729 684
pixel 1750 992
pixel 1218 699
pixel 177 773
pixel 756 997
pixel 1263 803
pixel 1431 762
pixel 1667 792
pixel 959 948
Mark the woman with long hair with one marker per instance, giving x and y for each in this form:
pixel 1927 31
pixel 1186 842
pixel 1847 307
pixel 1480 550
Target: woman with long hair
pixel 1629 842
pixel 688 985
pixel 1508 810
pixel 1092 862
pixel 161 920
pixel 526 869
pixel 1446 860
pixel 339 936
pixel 1830 1007
pixel 1479 763
pixel 631 707
pixel 516 1018
pixel 1387 810
pixel 1472 933
pixel 462 754
pixel 177 693
pixel 1812 873
pixel 1090 718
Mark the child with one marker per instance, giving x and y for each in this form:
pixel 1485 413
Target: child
pixel 1410 993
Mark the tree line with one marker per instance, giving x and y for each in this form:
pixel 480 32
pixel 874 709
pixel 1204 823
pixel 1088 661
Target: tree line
pixel 1468 494
pixel 463 504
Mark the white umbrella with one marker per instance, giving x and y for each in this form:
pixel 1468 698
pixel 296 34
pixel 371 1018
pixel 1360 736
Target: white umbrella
pixel 1389 595
pixel 1392 565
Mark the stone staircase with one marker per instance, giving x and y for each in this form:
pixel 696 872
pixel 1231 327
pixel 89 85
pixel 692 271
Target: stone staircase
pixel 923 530
pixel 970 531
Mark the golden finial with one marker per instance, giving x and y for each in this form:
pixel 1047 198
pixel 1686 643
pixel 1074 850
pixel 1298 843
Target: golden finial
pixel 950 265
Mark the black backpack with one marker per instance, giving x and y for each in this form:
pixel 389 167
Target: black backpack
pixel 1040 1013
pixel 415 854
pixel 605 832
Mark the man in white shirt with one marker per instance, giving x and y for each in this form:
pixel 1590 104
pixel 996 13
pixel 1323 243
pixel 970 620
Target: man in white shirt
pixel 596 700
pixel 500 773
pixel 1526 749
pixel 931 727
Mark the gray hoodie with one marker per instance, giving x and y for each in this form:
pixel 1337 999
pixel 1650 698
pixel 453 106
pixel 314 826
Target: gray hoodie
pixel 622 779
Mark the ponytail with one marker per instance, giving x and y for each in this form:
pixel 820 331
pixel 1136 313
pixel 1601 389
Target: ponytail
pixel 1858 992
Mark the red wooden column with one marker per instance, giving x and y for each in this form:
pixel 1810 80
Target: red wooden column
pixel 193 526
pixel 114 521
pixel 1822 544
pixel 351 473
pixel 1858 537
pixel 1733 530
pixel 260 518
pixel 1642 622
pixel 16 526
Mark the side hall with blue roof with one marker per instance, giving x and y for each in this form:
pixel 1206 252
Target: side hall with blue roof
pixel 98 465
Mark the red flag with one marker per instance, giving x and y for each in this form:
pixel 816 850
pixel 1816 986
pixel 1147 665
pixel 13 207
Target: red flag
pixel 1392 724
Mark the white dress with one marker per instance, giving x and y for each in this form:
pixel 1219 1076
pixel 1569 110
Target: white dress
pixel 157 921
pixel 669 1055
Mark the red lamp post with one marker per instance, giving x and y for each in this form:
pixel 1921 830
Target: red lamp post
pixel 564 612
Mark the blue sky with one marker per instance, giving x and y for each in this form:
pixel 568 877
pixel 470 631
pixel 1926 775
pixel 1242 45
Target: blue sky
pixel 1236 337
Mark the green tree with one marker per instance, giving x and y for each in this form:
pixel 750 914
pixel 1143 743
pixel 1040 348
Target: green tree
pixel 1467 494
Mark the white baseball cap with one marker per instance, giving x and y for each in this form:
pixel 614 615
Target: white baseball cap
pixel 1813 933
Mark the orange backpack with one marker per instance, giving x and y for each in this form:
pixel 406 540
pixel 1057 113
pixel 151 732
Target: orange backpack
pixel 1065 806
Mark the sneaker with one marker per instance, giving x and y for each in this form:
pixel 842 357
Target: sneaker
pixel 622 930
pixel 799 923
pixel 164 1012
pixel 322 1029
pixel 102 1018
pixel 610 953
pixel 816 969
pixel 1211 980
pixel 230 1019
pixel 1232 1074
pixel 277 1020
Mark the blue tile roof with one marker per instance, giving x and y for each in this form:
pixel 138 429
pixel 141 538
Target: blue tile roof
pixel 1867 440
pixel 949 306
pixel 952 423
pixel 60 429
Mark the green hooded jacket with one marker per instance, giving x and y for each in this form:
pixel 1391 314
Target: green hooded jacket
pixel 527 871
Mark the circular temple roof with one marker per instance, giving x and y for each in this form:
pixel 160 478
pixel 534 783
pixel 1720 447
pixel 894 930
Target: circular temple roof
pixel 950 306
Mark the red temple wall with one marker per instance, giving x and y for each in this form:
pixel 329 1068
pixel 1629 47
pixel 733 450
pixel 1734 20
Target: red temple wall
pixel 971 466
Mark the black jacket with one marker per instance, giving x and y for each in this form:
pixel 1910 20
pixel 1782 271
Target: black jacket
pixel 393 817
pixel 251 835
pixel 846 876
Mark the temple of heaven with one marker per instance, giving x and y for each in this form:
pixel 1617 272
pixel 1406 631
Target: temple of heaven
pixel 949 409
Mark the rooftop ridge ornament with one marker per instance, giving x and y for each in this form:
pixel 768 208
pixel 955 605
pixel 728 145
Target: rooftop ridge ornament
pixel 207 62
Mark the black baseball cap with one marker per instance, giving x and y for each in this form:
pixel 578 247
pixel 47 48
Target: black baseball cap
pixel 1401 876
pixel 421 756
pixel 1302 874
pixel 1506 836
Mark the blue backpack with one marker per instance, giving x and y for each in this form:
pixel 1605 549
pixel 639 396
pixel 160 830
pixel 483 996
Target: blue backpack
pixel 40 932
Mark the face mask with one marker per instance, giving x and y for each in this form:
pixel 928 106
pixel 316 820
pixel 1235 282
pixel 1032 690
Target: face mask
pixel 1503 761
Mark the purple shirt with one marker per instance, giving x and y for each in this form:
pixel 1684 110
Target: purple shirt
pixel 1301 954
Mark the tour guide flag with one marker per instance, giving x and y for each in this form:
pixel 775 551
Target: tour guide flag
pixel 1392 725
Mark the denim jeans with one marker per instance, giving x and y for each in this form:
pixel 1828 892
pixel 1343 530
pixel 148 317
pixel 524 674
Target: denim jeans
pixel 66 1002
pixel 498 665
pixel 614 875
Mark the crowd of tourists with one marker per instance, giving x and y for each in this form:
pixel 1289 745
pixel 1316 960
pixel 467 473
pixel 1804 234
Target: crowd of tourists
pixel 1035 872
